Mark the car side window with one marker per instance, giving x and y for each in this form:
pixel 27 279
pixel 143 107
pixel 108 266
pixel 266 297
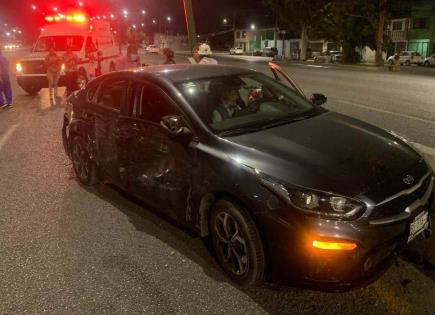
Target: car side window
pixel 113 93
pixel 153 104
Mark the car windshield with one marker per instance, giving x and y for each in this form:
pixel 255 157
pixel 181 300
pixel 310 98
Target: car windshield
pixel 243 103
pixel 59 43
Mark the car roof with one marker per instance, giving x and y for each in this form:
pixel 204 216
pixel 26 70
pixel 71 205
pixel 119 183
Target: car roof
pixel 185 72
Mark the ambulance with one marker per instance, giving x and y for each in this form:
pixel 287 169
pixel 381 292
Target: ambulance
pixel 91 40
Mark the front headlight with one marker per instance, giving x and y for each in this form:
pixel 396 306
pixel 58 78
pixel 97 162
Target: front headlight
pixel 317 203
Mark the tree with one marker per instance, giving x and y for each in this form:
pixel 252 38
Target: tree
pixel 356 24
pixel 299 16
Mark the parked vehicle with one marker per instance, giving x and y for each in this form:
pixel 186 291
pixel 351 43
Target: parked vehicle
pixel 286 190
pixel 328 57
pixel 429 61
pixel 236 51
pixel 270 52
pixel 407 58
pixel 89 40
pixel 152 49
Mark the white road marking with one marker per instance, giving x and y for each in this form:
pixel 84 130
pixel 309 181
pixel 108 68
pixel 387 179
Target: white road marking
pixel 5 137
pixel 427 121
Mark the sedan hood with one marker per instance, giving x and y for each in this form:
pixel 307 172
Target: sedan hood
pixel 328 152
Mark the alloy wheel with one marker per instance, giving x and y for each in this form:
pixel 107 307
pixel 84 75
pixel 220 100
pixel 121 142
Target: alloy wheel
pixel 231 244
pixel 81 161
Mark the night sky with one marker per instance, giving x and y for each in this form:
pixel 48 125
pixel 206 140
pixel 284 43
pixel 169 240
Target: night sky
pixel 208 13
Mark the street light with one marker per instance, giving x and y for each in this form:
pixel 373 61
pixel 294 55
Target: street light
pixel 33 7
pixel 80 4
pixel 225 21
pixel 55 9
pixel 112 16
pixel 144 12
pixel 168 18
pixel 154 21
pixel 134 26
pixel 252 26
pixel 143 25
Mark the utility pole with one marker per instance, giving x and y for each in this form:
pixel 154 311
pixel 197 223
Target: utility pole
pixel 190 22
pixel 380 33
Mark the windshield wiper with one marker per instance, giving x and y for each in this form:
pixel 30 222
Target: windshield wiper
pixel 239 130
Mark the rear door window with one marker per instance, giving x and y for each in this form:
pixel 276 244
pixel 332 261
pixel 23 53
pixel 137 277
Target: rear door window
pixel 113 94
pixel 153 104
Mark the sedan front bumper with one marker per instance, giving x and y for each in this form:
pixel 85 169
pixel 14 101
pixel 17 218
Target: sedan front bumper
pixel 293 260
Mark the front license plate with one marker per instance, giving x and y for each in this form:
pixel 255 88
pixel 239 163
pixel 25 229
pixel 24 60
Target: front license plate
pixel 419 224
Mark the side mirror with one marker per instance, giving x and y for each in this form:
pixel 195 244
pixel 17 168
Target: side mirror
pixel 318 99
pixel 174 125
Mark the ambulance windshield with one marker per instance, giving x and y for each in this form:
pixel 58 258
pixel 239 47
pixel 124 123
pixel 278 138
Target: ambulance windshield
pixel 59 43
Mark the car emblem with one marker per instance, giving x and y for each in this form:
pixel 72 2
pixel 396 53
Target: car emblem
pixel 408 180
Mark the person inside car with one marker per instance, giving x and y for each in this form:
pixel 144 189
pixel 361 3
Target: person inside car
pixel 228 106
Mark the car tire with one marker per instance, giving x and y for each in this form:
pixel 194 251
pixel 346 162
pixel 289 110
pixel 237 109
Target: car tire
pixel 407 63
pixel 390 62
pixel 237 243
pixel 84 167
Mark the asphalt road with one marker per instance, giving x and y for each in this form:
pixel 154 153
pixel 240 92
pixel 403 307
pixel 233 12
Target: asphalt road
pixel 66 249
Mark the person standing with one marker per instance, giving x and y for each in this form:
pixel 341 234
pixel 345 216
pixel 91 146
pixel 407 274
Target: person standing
pixel 201 55
pixel 131 60
pixel 204 52
pixel 54 65
pixel 169 54
pixel 195 59
pixel 5 83
pixel 71 61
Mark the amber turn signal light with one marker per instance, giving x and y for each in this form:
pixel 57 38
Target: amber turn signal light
pixel 333 245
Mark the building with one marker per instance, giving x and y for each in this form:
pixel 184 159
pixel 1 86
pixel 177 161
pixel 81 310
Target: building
pixel 421 35
pixel 398 33
pixel 255 39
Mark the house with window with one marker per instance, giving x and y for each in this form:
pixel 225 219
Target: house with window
pixel 255 39
pixel 398 33
pixel 421 36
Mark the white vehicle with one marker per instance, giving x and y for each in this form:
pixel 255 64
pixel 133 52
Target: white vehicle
pixel 328 57
pixel 236 51
pixel 430 61
pixel 152 49
pixel 91 41
pixel 407 58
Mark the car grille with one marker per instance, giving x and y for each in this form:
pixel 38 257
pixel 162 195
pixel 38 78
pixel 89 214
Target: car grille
pixel 34 67
pixel 399 204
